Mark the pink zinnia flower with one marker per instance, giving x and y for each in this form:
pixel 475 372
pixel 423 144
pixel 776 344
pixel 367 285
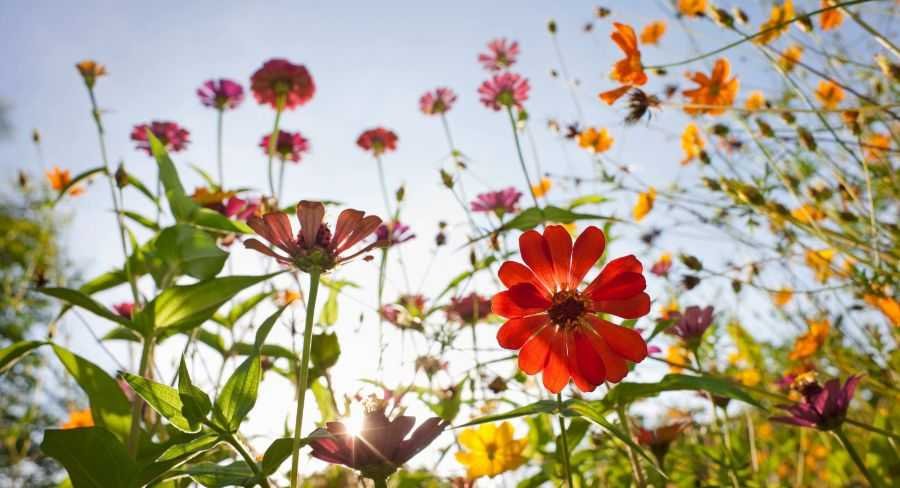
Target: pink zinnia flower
pixel 823 408
pixel 173 137
pixel 501 55
pixel 290 146
pixel 692 324
pixel 394 232
pixel 378 140
pixel 240 209
pixel 504 90
pixel 124 309
pixel 500 202
pixel 439 101
pixel 281 78
pixel 406 313
pixel 221 94
pixel 469 309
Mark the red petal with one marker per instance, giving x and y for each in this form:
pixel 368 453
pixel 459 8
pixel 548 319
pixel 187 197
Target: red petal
pixel 589 363
pixel 556 372
pixel 346 222
pixel 572 363
pixel 533 355
pixel 512 273
pixel 588 248
pixel 280 230
pixel 623 341
pixel 310 215
pixel 519 301
pixel 537 256
pixel 616 369
pixel 621 287
pixel 631 308
pixel 516 332
pixel 559 242
pixel 614 268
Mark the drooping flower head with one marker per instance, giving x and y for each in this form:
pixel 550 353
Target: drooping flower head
pixel 172 136
pixel 393 233
pixel 407 312
pixel 714 92
pixel 378 140
pixel 490 450
pixel 90 70
pixel 289 146
pixel 692 324
pixel 556 326
pixel 279 79
pixel 437 102
pixel 499 202
pixel 661 438
pixel 628 71
pixel 314 247
pixel 379 447
pixel 500 56
pixel 470 309
pixel 221 94
pixel 504 90
pixel 124 309
pixel 823 408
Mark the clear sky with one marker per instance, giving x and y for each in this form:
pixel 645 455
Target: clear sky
pixel 371 61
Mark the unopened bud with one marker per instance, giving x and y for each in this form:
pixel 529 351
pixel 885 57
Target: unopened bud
pixel 121 176
pixel 447 179
pixel 551 26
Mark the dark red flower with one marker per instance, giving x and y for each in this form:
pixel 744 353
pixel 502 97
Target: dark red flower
pixel 124 309
pixel 314 247
pixel 290 146
pixel 823 408
pixel 380 447
pixel 659 439
pixel 439 101
pixel 173 137
pixel 378 140
pixel 221 94
pixel 393 233
pixel 281 79
pixel 557 327
pixel 469 309
pixel 692 324
pixel 406 313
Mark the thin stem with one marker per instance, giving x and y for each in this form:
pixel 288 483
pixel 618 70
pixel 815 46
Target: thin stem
pixel 138 404
pixel 382 274
pixel 512 121
pixel 636 470
pixel 872 428
pixel 857 459
pixel 303 379
pixel 567 465
pixel 273 140
pixel 384 190
pixel 229 438
pixel 871 30
pixel 219 162
pixel 280 179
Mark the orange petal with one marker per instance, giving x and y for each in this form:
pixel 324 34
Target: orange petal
pixel 516 332
pixel 536 254
pixel 556 372
pixel 533 355
pixel 560 244
pixel 588 248
pixel 512 273
pixel 611 96
pixel 623 341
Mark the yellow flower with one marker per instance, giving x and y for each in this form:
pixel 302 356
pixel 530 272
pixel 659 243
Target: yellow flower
pixel 595 141
pixel 691 8
pixel 79 418
pixel 749 377
pixel 776 25
pixel 783 296
pixel 876 146
pixel 644 204
pixel 490 450
pixel 670 308
pixel 653 32
pixel 90 71
pixel 831 19
pixel 765 431
pixel 808 214
pixel 888 306
pixel 286 297
pixel 829 94
pixel 790 57
pixel 810 342
pixel 692 143
pixel 820 263
pixel 755 101
pixel 542 187
pixel 678 356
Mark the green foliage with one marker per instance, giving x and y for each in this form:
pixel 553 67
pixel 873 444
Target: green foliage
pixel 93 457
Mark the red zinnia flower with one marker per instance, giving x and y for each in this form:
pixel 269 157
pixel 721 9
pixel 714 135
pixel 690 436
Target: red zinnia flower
pixel 394 232
pixel 221 94
pixel 279 78
pixel 439 101
pixel 289 146
pixel 171 135
pixel 659 439
pixel 124 309
pixel 504 90
pixel 501 55
pixel 378 140
pixel 468 309
pixel 314 247
pixel 555 325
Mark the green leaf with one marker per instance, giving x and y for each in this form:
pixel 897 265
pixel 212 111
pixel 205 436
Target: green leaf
pixel 109 407
pixel 212 220
pixel 195 402
pixel 238 395
pixel 266 327
pixel 141 220
pixel 324 400
pixel 77 179
pixel 239 310
pixel 586 200
pixel 11 354
pixel 448 408
pixel 329 315
pixel 164 399
pixel 79 299
pixel 626 393
pixel 184 249
pixel 92 456
pixel 325 351
pixel 281 448
pixel 122 334
pixel 540 406
pixel 212 340
pixel 197 445
pixel 180 204
pixel 217 476
pixel 534 216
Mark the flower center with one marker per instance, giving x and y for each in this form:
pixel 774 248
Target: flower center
pixel 567 308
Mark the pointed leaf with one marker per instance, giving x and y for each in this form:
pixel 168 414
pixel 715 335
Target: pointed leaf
pixel 164 399
pixel 92 456
pixel 11 354
pixel 238 395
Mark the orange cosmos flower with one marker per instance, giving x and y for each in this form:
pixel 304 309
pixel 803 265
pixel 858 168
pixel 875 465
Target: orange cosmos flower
pixel 595 141
pixel 783 296
pixel 558 328
pixel 78 419
pixel 692 143
pixel 756 101
pixel 715 90
pixel 777 24
pixel 876 146
pixel 831 19
pixel 810 342
pixel 678 357
pixel 692 8
pixel 829 94
pixel 653 32
pixel 286 297
pixel 628 71
pixel 808 214
pixel 60 178
pixel 888 306
pixel 541 188
pixel 790 57
pixel 644 204
pixel 820 263
pixel 90 70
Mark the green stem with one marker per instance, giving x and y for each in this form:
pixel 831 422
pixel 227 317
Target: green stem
pixel 229 438
pixel 872 428
pixel 382 273
pixel 219 162
pixel 854 455
pixel 280 179
pixel 384 189
pixel 512 121
pixel 273 141
pixel 380 482
pixel 303 380
pixel 138 404
pixel 636 470
pixel 567 465
pixel 885 42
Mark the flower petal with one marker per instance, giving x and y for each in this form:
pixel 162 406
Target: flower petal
pixel 559 243
pixel 537 256
pixel 588 248
pixel 512 273
pixel 623 341
pixel 556 372
pixel 631 308
pixel 519 301
pixel 310 215
pixel 614 268
pixel 516 332
pixel 346 222
pixel 624 286
pixel 589 363
pixel 616 369
pixel 533 355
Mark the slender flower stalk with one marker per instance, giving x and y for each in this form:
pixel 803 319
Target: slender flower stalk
pixel 857 459
pixel 219 119
pixel 303 375
pixel 279 107
pixel 567 464
pixel 636 469
pixel 512 121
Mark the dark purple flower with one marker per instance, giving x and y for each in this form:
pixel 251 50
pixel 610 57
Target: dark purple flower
pixel 173 137
pixel 692 324
pixel 394 232
pixel 290 146
pixel 221 94
pixel 500 202
pixel 469 309
pixel 823 408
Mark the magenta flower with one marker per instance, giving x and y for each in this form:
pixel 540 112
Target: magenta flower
pixel 281 79
pixel 240 209
pixel 501 55
pixel 500 202
pixel 822 408
pixel 290 146
pixel 393 233
pixel 439 101
pixel 406 313
pixel 692 324
pixel 124 309
pixel 469 309
pixel 221 94
pixel 504 90
pixel 378 140
pixel 173 137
